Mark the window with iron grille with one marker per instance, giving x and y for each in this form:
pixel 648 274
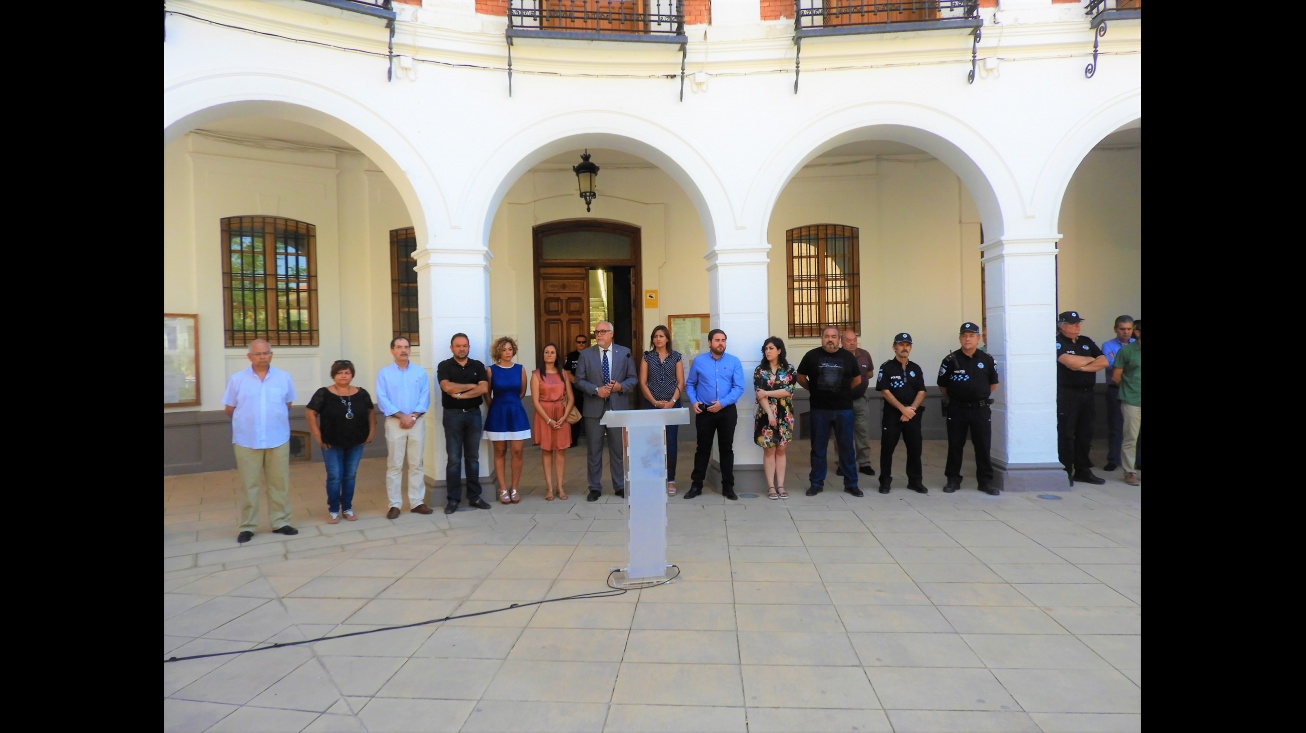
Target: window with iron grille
pixel 269 281
pixel 823 279
pixel 403 284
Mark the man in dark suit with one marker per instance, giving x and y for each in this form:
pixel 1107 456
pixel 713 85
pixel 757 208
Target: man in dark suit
pixel 608 376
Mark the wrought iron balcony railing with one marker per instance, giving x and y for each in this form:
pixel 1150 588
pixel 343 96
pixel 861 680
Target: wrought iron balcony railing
pixel 655 21
pixel 1100 11
pixel 845 17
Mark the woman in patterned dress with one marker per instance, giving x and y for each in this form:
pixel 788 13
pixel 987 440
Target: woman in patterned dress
pixel 551 394
pixel 662 381
pixel 773 423
pixel 506 422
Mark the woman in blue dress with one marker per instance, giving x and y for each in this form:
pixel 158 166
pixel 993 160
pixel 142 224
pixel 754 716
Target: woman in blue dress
pixel 506 423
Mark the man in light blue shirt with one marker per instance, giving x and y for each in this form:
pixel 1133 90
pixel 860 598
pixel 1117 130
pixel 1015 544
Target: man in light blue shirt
pixel 403 396
pixel 258 402
pixel 714 384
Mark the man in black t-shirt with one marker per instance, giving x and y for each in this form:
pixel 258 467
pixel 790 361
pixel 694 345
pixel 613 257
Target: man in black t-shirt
pixel 1078 361
pixel 463 383
pixel 581 342
pixel 830 373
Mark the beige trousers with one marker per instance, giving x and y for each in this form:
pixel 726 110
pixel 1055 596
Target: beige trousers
pixel 254 465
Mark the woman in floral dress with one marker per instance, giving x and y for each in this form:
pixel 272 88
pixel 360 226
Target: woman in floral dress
pixel 773 423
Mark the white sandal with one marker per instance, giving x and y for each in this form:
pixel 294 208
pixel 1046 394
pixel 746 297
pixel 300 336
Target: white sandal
pixel 671 488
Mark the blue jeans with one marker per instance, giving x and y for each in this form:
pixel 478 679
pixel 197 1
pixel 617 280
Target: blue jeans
pixel 462 443
pixel 671 447
pixel 342 470
pixel 842 421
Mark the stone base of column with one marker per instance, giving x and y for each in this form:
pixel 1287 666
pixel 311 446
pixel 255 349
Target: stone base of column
pixel 1030 476
pixel 748 477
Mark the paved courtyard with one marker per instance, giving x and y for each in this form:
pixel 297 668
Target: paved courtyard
pixel 899 612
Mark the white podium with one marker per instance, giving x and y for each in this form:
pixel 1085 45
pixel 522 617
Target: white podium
pixel 646 489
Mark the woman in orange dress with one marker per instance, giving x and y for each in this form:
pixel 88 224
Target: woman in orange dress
pixel 551 393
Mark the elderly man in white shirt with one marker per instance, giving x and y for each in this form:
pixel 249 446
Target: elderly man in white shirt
pixel 258 402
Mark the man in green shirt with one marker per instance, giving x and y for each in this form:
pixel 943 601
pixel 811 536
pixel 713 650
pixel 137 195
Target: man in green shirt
pixel 1128 373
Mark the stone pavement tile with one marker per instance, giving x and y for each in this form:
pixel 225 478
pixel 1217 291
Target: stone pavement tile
pixel 328 723
pixel 175 603
pixel 561 589
pixel 906 540
pixel 529 569
pixel 176 571
pixel 842 554
pixel 1041 573
pixel 322 610
pixel 769 554
pixel 342 587
pixel 1088 723
pixel 1072 690
pixel 682 647
pixel 470 642
pixel 517 590
pixel 913 650
pixel 796 648
pixel 406 551
pixel 998 620
pixel 245 676
pixel 799 720
pixel 961 721
pixel 373 568
pixel 688 616
pixel 361 676
pixel 861 572
pixel 678 553
pixel 392 715
pixel 550 536
pixel 570 645
pixel 1094 595
pixel 759 617
pixel 221 582
pixel 876 618
pixel 1106 620
pixel 185 716
pixel 456 589
pixel 1034 651
pixel 784 572
pixel 849 540
pixel 209 615
pixel 888 594
pixel 554 681
pixel 1124 579
pixel 586 570
pixel 825 525
pixel 1058 540
pixel 661 718
pixel 807 687
pixel 454 554
pixel 250 719
pixel 177 675
pixel 1099 555
pixel 581 615
pixel 308 567
pixel 433 568
pixel 679 684
pixel 1016 555
pixel 973 594
pixel 307 688
pixel 690 591
pixel 260 552
pixel 913 688
pixel 949 573
pixel 493 613
pixel 498 716
pixel 384 643
pixel 261 623
pixel 1124 652
pixel 912 555
pixel 765 538
pixel 993 537
pixel 767 593
pixel 259 587
pixel 441 678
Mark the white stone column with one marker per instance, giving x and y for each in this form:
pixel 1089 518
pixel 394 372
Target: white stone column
pixel 737 280
pixel 453 297
pixel 1020 278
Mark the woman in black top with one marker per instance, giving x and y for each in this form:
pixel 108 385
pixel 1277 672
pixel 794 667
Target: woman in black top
pixel 342 420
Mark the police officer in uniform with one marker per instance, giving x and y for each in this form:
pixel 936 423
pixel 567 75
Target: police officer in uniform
pixel 1078 361
pixel 902 383
pixel 581 342
pixel 967 377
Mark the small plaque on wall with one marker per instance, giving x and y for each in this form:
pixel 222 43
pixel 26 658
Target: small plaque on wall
pixel 181 360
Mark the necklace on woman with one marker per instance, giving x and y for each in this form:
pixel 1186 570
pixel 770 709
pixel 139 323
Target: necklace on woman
pixel 349 407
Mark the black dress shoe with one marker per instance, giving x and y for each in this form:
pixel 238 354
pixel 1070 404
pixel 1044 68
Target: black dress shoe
pixel 478 503
pixel 884 489
pixel 287 529
pixel 693 491
pixel 918 487
pixel 950 487
pixel 1088 477
pixel 592 496
pixel 730 494
pixel 1110 466
pixel 244 537
pixel 989 490
pixel 813 491
pixel 619 492
pixel 854 491
pixel 867 470
pixel 451 507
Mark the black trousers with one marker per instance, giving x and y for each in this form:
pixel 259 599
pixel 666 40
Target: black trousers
pixel 978 422
pixel 891 427
pixel 722 425
pixel 1074 429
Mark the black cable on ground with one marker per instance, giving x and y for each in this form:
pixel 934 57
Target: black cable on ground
pixel 281 645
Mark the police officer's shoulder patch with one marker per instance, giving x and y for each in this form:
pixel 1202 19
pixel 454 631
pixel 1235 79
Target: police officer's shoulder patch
pixel 1058 346
pixel 979 365
pixel 911 373
pixel 942 369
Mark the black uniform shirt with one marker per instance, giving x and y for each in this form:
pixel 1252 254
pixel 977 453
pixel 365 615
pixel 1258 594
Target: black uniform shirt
pixel 967 378
pixel 1067 377
pixel 904 383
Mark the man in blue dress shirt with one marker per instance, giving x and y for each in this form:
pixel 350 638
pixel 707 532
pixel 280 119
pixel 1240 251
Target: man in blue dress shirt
pixel 715 383
pixel 403 396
